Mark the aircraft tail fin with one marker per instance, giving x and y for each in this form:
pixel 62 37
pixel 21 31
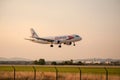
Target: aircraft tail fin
pixel 34 34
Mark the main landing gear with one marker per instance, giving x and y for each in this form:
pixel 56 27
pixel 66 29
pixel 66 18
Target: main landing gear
pixel 61 46
pixel 51 45
pixel 58 46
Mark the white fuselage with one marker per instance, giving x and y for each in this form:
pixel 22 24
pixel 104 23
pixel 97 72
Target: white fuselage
pixel 63 39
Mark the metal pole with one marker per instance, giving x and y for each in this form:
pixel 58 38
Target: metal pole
pixel 14 72
pixel 56 73
pixel 34 72
pixel 106 73
pixel 80 72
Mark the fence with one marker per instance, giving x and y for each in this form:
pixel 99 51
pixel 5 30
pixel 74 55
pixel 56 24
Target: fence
pixel 59 73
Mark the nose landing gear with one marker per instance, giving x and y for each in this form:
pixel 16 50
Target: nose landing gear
pixel 73 43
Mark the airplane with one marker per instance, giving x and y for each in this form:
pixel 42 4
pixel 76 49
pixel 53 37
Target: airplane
pixel 67 39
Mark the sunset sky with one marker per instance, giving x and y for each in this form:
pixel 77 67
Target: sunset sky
pixel 96 21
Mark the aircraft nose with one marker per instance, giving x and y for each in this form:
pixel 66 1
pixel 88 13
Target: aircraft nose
pixel 80 38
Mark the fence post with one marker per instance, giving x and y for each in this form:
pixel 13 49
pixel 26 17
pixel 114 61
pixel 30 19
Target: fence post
pixel 106 73
pixel 80 72
pixel 34 72
pixel 56 73
pixel 14 72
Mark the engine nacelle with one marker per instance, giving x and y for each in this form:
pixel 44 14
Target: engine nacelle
pixel 68 43
pixel 57 41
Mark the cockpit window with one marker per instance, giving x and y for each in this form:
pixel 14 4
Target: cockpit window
pixel 76 35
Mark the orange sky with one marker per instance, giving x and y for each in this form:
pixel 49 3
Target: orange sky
pixel 96 21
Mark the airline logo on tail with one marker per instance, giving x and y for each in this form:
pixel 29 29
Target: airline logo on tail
pixel 34 35
pixel 67 40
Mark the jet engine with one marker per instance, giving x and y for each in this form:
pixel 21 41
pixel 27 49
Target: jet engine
pixel 57 41
pixel 68 43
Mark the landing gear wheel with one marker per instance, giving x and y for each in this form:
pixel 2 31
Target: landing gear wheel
pixel 73 44
pixel 59 46
pixel 51 45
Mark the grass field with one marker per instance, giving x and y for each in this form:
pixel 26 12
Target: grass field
pixel 26 72
pixel 84 69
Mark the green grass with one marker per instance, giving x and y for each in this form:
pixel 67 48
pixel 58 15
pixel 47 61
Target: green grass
pixel 75 69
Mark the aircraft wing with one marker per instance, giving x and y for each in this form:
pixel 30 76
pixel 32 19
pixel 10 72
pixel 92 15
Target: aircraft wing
pixel 49 40
pixel 29 39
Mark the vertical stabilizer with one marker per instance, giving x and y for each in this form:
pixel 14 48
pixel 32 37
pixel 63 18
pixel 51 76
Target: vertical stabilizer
pixel 34 34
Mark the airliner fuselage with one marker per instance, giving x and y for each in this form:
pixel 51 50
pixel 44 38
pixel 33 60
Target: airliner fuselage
pixel 67 39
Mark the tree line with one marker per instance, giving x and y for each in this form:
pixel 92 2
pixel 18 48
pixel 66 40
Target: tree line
pixel 68 62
